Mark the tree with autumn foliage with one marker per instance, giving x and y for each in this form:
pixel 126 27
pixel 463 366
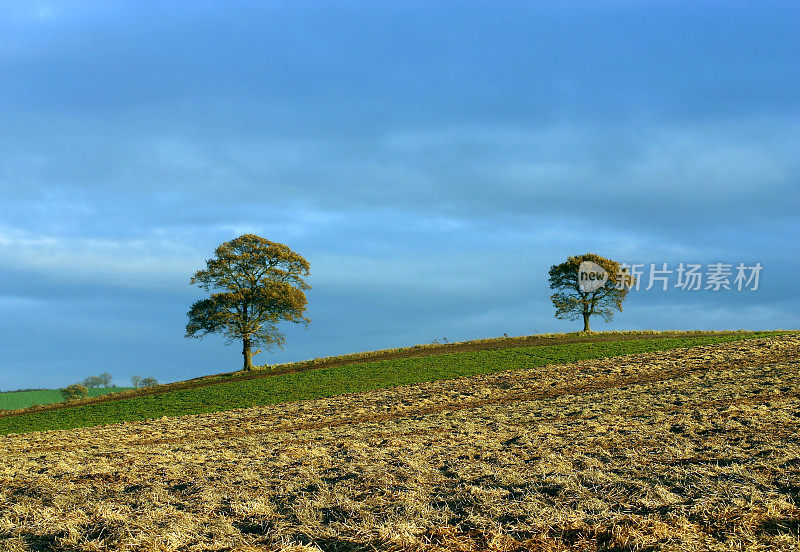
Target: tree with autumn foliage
pixel 571 302
pixel 254 284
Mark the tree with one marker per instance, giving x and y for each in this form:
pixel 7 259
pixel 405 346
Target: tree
pixel 139 381
pixel 572 302
pixel 105 379
pixel 253 284
pixel 74 391
pixel 93 381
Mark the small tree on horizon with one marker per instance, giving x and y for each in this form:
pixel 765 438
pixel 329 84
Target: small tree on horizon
pixel 139 382
pixel 92 381
pixel 253 284
pixel 571 303
pixel 103 380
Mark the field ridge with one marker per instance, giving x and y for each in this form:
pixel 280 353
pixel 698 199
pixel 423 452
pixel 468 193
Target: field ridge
pixel 414 351
pixel 341 377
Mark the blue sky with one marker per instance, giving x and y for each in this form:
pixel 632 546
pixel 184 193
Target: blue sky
pixel 430 159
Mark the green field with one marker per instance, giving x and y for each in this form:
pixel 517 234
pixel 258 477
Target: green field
pixel 335 380
pixel 11 400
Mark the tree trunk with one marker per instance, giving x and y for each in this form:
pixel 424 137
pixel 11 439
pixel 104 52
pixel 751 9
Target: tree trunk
pixel 248 355
pixel 586 322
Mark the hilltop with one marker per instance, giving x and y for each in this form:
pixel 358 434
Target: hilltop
pixel 349 373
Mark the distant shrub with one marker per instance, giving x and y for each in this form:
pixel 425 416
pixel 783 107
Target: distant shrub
pixel 75 391
pixel 92 381
pixel 139 382
pixel 103 380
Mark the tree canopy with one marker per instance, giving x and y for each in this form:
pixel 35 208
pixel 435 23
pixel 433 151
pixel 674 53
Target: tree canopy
pixel 103 380
pixel 74 391
pixel 254 284
pixel 573 300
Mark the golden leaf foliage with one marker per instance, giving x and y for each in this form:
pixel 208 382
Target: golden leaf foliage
pixel 253 284
pixel 571 303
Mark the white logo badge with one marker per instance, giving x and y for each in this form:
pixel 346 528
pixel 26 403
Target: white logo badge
pixel 591 276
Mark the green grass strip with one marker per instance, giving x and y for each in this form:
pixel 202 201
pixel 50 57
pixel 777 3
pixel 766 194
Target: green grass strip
pixel 326 382
pixel 11 400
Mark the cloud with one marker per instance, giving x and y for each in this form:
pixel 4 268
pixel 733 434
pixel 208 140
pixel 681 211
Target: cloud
pixel 140 263
pixel 688 174
pixel 430 163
